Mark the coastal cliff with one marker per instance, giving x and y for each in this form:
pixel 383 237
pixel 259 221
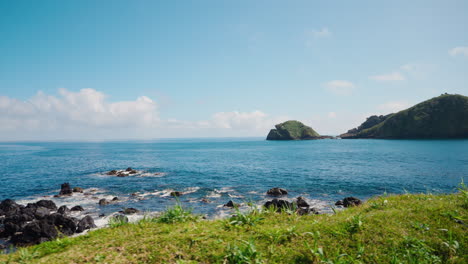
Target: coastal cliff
pixel 445 116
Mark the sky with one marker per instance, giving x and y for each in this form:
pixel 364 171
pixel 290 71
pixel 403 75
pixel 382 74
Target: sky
pixel 105 70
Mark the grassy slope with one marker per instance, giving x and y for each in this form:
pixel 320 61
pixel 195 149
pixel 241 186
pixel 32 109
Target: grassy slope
pixel 394 229
pixel 444 116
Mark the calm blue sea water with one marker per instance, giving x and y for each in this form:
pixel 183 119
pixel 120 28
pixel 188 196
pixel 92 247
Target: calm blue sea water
pixel 222 169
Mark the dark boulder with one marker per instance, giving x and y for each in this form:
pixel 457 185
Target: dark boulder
pixel 306 211
pixel 65 189
pixel 63 210
pixel 103 202
pixel 9 207
pixel 112 173
pixel 230 204
pixel 47 204
pixel 41 212
pixel 78 189
pixel 66 225
pixel 129 169
pixel 130 211
pixel 277 191
pixel 77 208
pixel 351 201
pixel 340 202
pixel 300 202
pixel 86 223
pixel 279 205
pixel 115 199
pixel 9 228
pixel 176 194
pixel 35 232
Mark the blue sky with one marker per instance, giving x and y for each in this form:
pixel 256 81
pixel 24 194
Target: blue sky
pixel 150 69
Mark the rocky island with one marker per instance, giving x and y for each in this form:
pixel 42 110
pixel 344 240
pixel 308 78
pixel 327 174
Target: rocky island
pixel 293 130
pixel 445 116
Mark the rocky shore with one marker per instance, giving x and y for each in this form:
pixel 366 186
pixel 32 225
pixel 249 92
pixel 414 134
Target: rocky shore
pixel 44 220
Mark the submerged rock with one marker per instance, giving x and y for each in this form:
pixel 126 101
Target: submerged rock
pixel 112 173
pixel 78 189
pixel 128 211
pixel 230 204
pixel 65 189
pixel 277 191
pixel 103 202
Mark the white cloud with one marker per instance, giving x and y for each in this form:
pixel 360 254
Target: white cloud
pixel 393 106
pixel 331 115
pixel 86 111
pixel 394 76
pixel 340 87
pixel 459 51
pixel 88 115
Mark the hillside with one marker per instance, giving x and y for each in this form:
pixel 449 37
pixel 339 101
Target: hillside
pixel 292 130
pixel 408 228
pixel 445 116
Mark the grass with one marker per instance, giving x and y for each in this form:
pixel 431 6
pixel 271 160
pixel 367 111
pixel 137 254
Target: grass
pixel 407 228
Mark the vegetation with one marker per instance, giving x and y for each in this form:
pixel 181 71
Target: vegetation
pixel 408 228
pixel 292 130
pixel 445 116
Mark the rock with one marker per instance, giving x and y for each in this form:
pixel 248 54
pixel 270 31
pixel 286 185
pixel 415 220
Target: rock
pixel 47 204
pixel 279 205
pixel 351 201
pixel 9 207
pixel 65 225
pixel 122 174
pixel 130 211
pixel 340 202
pixel 115 199
pixel 10 228
pixel 86 223
pixel 103 202
pixel 230 204
pixel 112 173
pixel 300 202
pixel 41 212
pixel 119 218
pixel 292 130
pixel 176 194
pixel 133 172
pixel 306 211
pixel 63 210
pixel 277 191
pixel 35 232
pixel 129 169
pixel 77 208
pixel 204 200
pixel 78 189
pixel 65 189
pixel 135 194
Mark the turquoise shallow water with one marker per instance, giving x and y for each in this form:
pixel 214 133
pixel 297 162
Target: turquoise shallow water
pixel 222 169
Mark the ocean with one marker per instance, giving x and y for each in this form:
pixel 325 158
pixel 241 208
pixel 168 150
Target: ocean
pixel 219 170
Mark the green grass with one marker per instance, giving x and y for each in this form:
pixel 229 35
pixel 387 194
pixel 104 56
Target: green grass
pixel 408 228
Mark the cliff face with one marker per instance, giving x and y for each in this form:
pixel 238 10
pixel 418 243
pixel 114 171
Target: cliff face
pixel 445 116
pixel 292 130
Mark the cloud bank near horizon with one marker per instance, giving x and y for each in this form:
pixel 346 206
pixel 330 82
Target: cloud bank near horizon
pixel 88 115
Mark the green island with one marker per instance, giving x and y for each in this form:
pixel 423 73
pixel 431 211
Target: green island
pixel 292 130
pixel 406 228
pixel 445 116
